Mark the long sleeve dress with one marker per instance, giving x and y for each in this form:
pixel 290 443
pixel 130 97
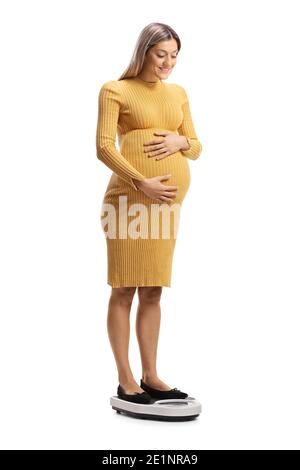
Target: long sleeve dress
pixel 141 232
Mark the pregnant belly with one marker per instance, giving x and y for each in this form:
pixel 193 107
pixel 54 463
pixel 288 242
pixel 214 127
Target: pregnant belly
pixel 132 148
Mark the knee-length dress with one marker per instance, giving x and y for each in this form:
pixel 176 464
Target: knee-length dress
pixel 141 232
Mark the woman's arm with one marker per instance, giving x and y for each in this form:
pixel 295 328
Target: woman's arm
pixel 187 129
pixel 109 102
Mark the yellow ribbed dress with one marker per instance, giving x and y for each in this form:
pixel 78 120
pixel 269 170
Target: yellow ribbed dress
pixel 139 251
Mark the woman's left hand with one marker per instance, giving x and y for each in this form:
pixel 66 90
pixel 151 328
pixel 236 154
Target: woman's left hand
pixel 166 145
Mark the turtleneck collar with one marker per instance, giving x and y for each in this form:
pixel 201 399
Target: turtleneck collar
pixel 149 84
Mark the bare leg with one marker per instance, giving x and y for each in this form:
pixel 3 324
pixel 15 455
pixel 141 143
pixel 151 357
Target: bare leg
pixel 147 331
pixel 118 326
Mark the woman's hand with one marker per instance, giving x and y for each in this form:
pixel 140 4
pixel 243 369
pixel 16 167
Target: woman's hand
pixel 154 189
pixel 164 146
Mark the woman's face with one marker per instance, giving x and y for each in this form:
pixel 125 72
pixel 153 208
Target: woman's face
pixel 160 59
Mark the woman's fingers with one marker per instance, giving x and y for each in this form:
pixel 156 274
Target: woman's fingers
pixel 157 152
pixel 171 188
pixel 164 198
pixel 159 191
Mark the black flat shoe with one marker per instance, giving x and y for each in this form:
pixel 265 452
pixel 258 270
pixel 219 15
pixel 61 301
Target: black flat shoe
pixel 163 394
pixel 142 397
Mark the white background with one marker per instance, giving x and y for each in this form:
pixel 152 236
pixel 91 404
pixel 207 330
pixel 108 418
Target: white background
pixel 230 321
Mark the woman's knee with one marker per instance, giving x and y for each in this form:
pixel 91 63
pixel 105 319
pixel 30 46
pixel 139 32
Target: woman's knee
pixel 150 295
pixel 123 295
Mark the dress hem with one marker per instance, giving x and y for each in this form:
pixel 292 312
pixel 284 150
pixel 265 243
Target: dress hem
pixel 139 284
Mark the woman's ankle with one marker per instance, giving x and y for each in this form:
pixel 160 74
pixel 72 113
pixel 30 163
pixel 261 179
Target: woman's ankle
pixel 149 376
pixel 126 378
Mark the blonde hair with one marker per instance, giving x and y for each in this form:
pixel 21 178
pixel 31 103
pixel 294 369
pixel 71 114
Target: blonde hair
pixel 148 37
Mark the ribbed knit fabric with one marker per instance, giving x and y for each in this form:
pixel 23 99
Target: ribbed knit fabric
pixel 132 110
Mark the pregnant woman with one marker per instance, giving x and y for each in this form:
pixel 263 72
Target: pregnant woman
pixel 141 205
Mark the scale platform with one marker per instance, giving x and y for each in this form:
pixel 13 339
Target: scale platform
pixel 178 409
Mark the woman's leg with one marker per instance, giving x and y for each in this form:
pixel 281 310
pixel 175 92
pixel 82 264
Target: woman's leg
pixel 147 331
pixel 118 326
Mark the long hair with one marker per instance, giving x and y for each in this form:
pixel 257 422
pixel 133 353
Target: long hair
pixel 148 37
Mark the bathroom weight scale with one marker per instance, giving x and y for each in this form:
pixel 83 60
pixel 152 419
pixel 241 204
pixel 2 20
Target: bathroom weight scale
pixel 177 409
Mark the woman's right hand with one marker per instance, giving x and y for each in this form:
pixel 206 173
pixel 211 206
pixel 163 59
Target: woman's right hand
pixel 155 189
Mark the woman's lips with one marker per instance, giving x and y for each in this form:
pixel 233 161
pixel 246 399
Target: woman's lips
pixel 164 69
